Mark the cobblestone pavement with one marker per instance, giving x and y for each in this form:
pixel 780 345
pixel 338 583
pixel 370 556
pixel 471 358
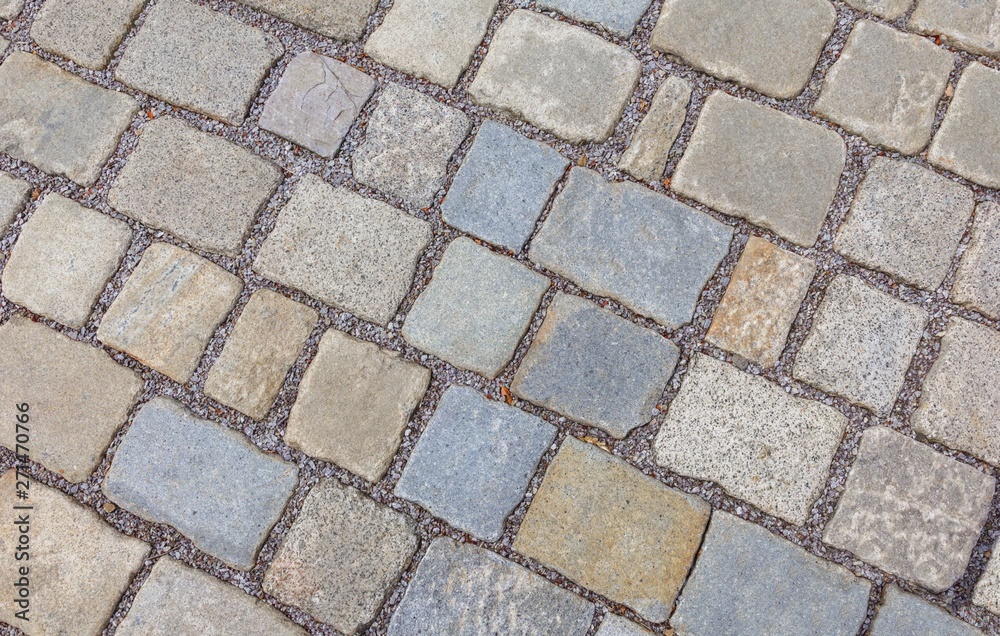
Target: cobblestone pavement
pixel 580 317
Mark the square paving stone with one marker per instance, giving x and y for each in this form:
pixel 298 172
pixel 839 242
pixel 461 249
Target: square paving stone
pixel 888 9
pixel 216 488
pixel 463 590
pixel 614 625
pixel 196 58
pixel 63 260
pixel 617 17
pixel 987 591
pixel 624 241
pixel 749 581
pixel 608 527
pixel 57 121
pixel 762 445
pixel 201 188
pixel 975 282
pixel 342 557
pixel 354 401
pixel 472 464
pixel 502 186
pixel 316 102
pixel 86 31
pixel 904 614
pixel 595 367
pixel 967 141
pixel 759 164
pixel 13 197
pixel 885 86
pixel 647 152
pixel 476 308
pixel 9 9
pixel 860 344
pixel 341 19
pixel 169 309
pixel 356 254
pixel 78 396
pixel 559 77
pixel 972 26
pixel 909 510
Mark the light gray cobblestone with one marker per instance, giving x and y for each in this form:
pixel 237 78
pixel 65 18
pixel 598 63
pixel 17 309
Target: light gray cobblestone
pixel 86 31
pixel 975 282
pixel 968 137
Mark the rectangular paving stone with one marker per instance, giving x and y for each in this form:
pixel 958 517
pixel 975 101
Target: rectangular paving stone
pixel 86 31
pixel 904 614
pixel 972 26
pixel 614 625
pixel 9 9
pixel 759 164
pixel 341 19
pixel 13 197
pixel 646 155
pixel 617 17
pixel 987 590
pixel 967 140
pixel 975 282
pixel 888 9
pixel 556 76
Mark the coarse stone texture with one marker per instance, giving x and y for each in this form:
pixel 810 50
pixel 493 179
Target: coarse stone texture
pixel 888 9
pixel 316 102
pixel 975 282
pixel 885 86
pixel 595 367
pixel 476 308
pixel 78 396
pixel 201 188
pixel 354 401
pixel 762 445
pixel 770 46
pixel 342 557
pixel 461 589
pixel 973 26
pixel 967 141
pixel 903 614
pixel 646 155
pixel 63 260
pixel 860 344
pixel 266 341
pixel 502 186
pixel 199 59
pixel 4 43
pixel 216 488
pixel 57 121
pixel 759 164
pixel 987 592
pixel 608 527
pixel 621 240
pixel 614 625
pixel 9 9
pixel 558 77
pixel 356 254
pixel 85 31
pixel 13 197
pixel 472 464
pixel 79 566
pixel 749 581
pixel 760 304
pixel 344 20
pixel 617 17
pixel 910 511
pixel 169 309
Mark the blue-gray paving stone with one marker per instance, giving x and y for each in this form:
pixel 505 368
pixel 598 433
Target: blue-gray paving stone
pixel 472 464
pixel 502 186
pixel 618 17
pixel 903 614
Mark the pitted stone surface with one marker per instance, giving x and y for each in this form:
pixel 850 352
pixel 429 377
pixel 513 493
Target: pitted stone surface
pixel 86 31
pixel 979 270
pixel 9 9
pixel 617 17
pixel 614 625
pixel 967 140
pixel 903 614
pixel 13 197
pixel 987 592
pixel 888 9
pixel 973 26
pixel 340 19
pixel 646 155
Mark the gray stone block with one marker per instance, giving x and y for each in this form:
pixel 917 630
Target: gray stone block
pixel 340 19
pixel 86 31
pixel 888 9
pixel 13 197
pixel 10 9
pixel 972 26
pixel 903 614
pixel 614 625
pixel 987 591
pixel 647 152
pixel 975 282
pixel 967 140
pixel 617 17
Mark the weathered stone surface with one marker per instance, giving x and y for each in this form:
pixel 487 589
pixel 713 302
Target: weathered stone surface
pixel 265 342
pixel 216 488
pixel 4 43
pixel 646 155
pixel 63 259
pixel 472 464
pixel 169 309
pixel 13 197
pixel 909 510
pixel 340 19
pixel 85 31
pixel 760 304
pixel 595 367
pixel 614 625
pixel 975 282
pixel 9 9
pixel 903 614
pixel 57 121
pixel 354 402
pixel 973 26
pixel 556 76
pixel 502 186
pixel 888 9
pixel 608 527
pixel 617 17
pixel 749 581
pixel 987 592
pixel 476 308
pixel 860 344
pixel 967 140
pixel 762 165
pixel 342 556
pixel 199 59
pixel 356 254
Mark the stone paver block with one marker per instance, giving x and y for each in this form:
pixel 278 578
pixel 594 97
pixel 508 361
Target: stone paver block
pixel 760 304
pixel 623 241
pixel 646 155
pixel 556 76
pixel 85 31
pixel 316 102
pixel 888 9
pixel 354 401
pixel 63 260
pixel 266 341
pixel 9 9
pixel 903 614
pixel 356 254
pixel 762 165
pixel 340 19
pixel 342 557
pixel 57 121
pixel 749 581
pixel 614 625
pixel 987 592
pixel 975 282
pixel 476 308
pixel 199 59
pixel 472 464
pixel 973 26
pixel 13 197
pixel 909 510
pixel 860 344
pixel 502 186
pixel 968 138
pixel 617 17
pixel 608 527
pixel 885 86
pixel 169 309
